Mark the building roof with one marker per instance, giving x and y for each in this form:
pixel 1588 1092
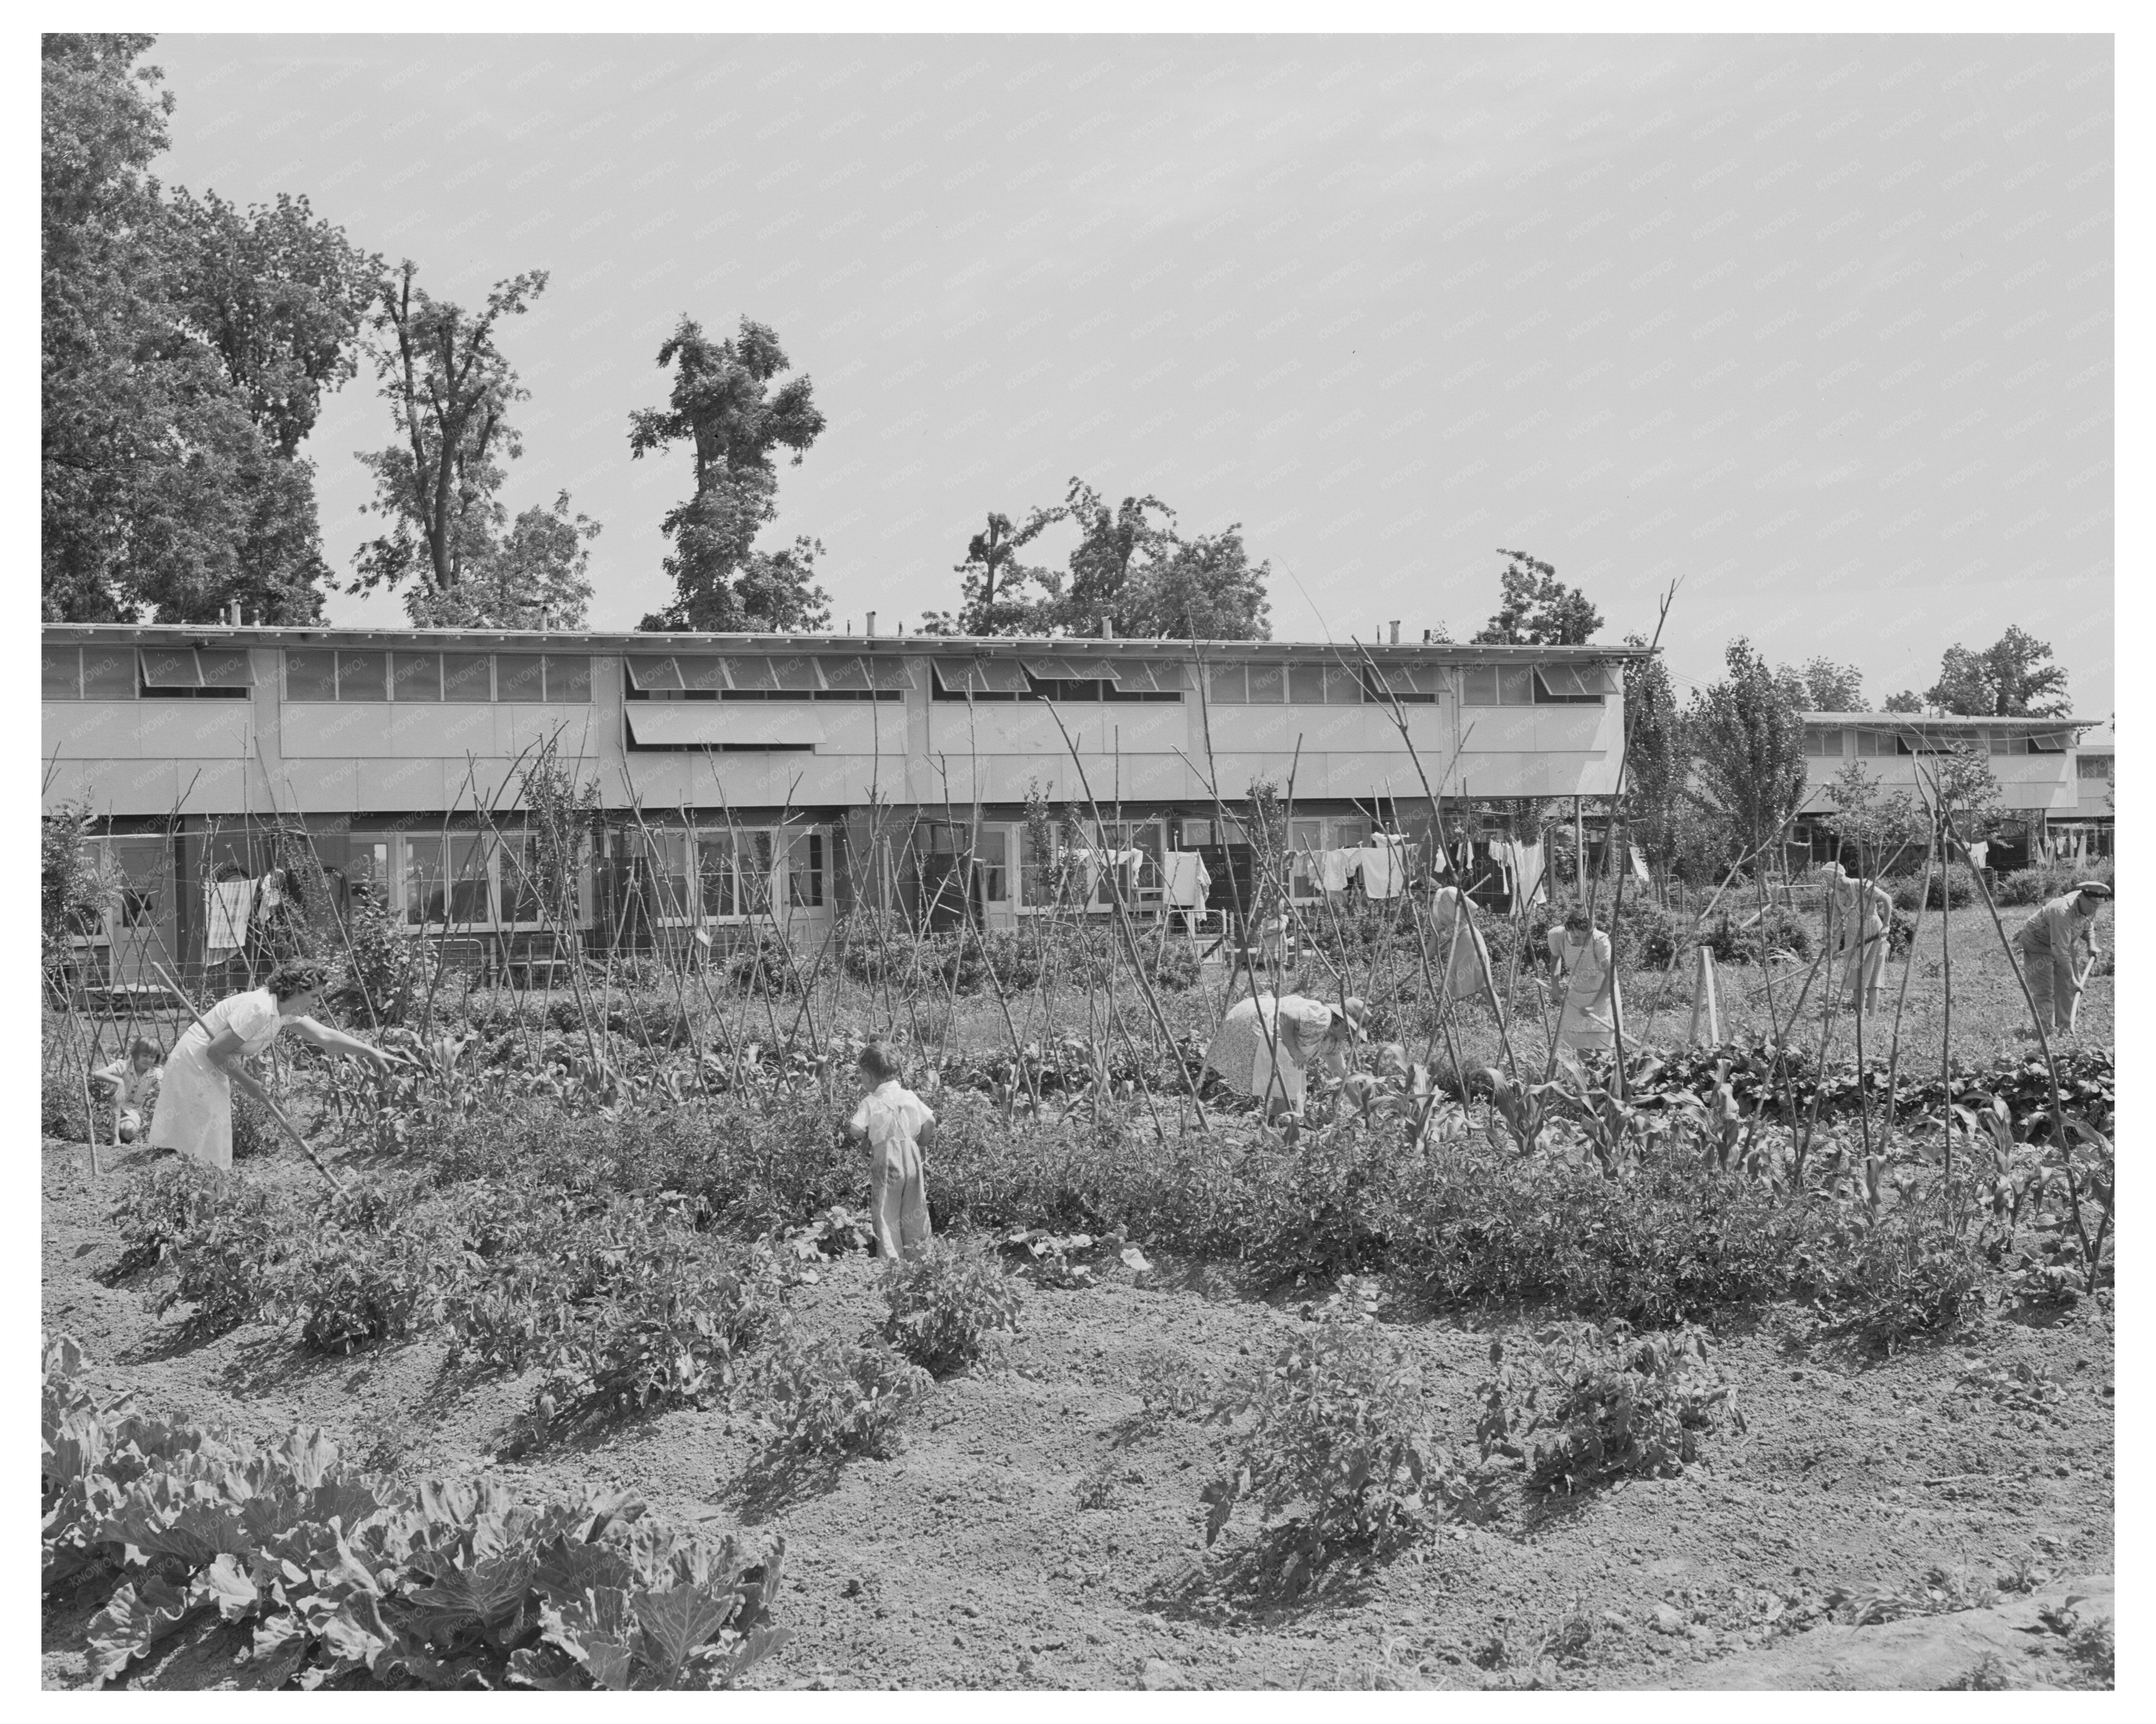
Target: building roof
pixel 1947 721
pixel 634 641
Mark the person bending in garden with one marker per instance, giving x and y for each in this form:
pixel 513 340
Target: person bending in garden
pixel 2046 942
pixel 1861 916
pixel 1264 1046
pixel 133 1082
pixel 194 1103
pixel 897 1125
pixel 1584 976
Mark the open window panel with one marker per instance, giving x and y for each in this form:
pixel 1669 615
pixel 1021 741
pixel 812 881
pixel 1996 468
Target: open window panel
pixel 185 672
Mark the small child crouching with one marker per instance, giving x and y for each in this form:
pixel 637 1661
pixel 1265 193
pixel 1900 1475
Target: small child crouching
pixel 897 1125
pixel 133 1083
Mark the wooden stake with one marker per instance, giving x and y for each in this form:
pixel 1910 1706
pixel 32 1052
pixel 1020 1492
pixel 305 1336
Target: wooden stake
pixel 1704 1003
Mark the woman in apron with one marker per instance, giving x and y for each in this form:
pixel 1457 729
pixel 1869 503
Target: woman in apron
pixel 1456 950
pixel 1862 916
pixel 1264 1046
pixel 194 1105
pixel 1583 971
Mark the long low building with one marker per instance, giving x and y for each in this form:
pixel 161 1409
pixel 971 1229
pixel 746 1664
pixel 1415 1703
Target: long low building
pixel 2033 760
pixel 733 779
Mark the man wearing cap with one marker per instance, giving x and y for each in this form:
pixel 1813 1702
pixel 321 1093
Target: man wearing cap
pixel 1264 1046
pixel 2046 943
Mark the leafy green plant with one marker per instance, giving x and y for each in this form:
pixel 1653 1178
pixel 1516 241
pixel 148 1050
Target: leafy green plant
pixel 1579 1403
pixel 832 1397
pixel 223 1239
pixel 949 1307
pixel 451 1584
pixel 1335 1424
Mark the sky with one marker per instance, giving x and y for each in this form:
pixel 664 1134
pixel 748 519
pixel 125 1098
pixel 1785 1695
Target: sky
pixel 1818 328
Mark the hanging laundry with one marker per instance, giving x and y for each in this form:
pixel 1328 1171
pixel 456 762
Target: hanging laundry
pixel 1640 866
pixel 1186 879
pixel 1382 866
pixel 1330 869
pixel 227 907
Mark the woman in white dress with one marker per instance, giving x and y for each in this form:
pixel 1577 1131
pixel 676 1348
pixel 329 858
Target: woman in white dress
pixel 1583 968
pixel 194 1105
pixel 1455 948
pixel 1861 916
pixel 1264 1046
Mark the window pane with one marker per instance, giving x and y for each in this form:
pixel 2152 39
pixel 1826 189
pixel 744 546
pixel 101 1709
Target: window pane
pixel 751 674
pixel 1224 685
pixel 467 676
pixel 1343 686
pixel 108 672
pixel 171 670
pixel 517 676
pixel 418 675
pixel 1306 684
pixel 1516 685
pixel 714 870
pixel 1169 678
pixel 520 890
pixel 709 675
pixel 362 676
pixel 569 678
pixel 647 674
pixel 797 675
pixel 804 878
pixel 62 669
pixel 226 668
pixel 1268 684
pixel 424 899
pixel 1479 686
pixel 846 675
pixel 310 675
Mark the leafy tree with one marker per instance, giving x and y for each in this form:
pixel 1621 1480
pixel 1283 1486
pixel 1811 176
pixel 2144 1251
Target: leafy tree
pixel 1747 754
pixel 1130 571
pixel 184 349
pixel 1909 701
pixel 77 882
pixel 1537 609
pixel 1655 761
pixel 449 389
pixel 2009 679
pixel 1884 826
pixel 534 576
pixel 723 405
pixel 993 591
pixel 1829 687
pixel 1204 589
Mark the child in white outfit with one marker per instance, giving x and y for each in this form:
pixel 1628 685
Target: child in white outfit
pixel 898 1125
pixel 133 1082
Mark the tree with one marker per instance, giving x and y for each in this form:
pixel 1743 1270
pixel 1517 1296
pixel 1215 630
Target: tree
pixel 1746 743
pixel 1655 759
pixel 1883 827
pixel 1537 609
pixel 1204 589
pixel 722 404
pixel 1829 687
pixel 449 389
pixel 1130 571
pixel 533 577
pixel 992 589
pixel 185 347
pixel 2009 679
pixel 1909 701
pixel 776 591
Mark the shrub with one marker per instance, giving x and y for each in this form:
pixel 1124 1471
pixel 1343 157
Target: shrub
pixel 224 1239
pixel 829 1397
pixel 2040 886
pixel 1578 1405
pixel 1777 930
pixel 766 964
pixel 387 969
pixel 875 946
pixel 1336 1426
pixel 950 1307
pixel 1954 887
pixel 1175 966
pixel 370 1267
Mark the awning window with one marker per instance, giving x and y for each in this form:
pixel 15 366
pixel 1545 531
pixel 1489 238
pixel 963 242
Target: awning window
pixel 193 668
pixel 796 675
pixel 690 723
pixel 859 676
pixel 982 676
pixel 702 675
pixel 1137 680
pixel 648 673
pixel 751 675
pixel 1071 670
pixel 1570 682
pixel 1408 680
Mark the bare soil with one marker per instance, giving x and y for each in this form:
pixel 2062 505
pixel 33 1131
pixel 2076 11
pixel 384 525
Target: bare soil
pixel 1036 1530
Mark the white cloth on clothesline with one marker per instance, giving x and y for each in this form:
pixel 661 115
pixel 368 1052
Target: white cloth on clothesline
pixel 1186 880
